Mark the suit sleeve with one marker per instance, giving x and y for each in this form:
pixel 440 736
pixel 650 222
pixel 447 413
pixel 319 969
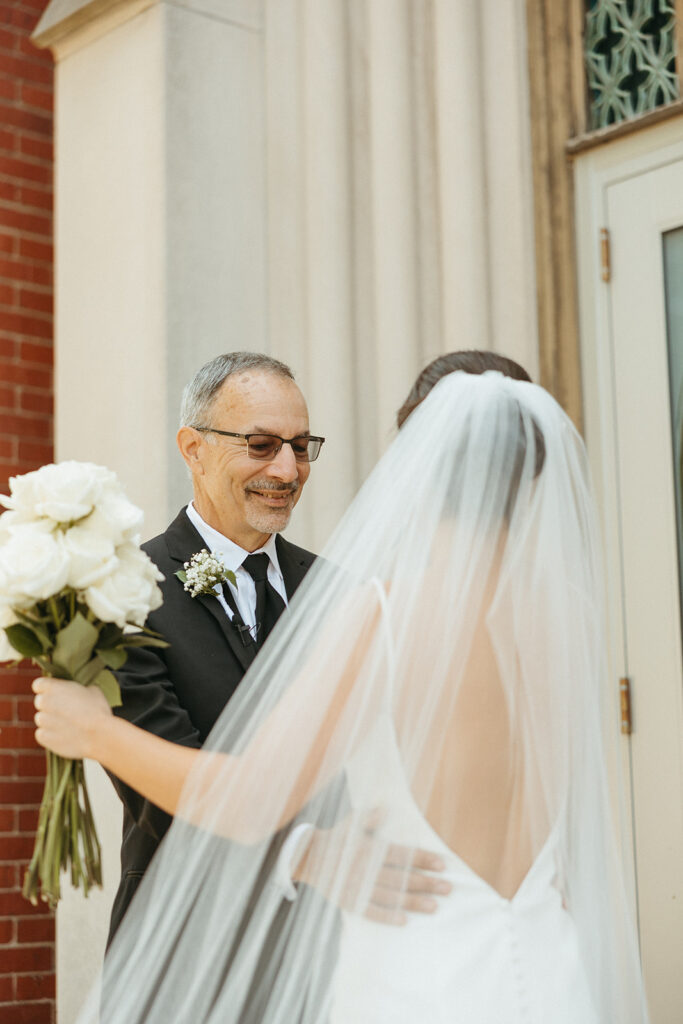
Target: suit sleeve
pixel 150 702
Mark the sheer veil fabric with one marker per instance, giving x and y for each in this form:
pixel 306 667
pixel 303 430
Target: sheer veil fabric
pixel 438 682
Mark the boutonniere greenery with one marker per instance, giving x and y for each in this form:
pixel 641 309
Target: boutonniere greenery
pixel 203 573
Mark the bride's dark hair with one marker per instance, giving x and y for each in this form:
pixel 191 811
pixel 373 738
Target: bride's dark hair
pixel 477 362
pixel 470 361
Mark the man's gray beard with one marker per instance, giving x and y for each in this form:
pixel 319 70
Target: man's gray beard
pixel 269 520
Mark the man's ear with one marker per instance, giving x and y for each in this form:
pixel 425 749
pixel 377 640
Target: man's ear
pixel 189 443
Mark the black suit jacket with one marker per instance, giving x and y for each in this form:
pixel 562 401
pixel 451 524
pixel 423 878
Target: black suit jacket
pixel 179 692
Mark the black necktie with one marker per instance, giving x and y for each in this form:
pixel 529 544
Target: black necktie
pixel 269 604
pixel 243 631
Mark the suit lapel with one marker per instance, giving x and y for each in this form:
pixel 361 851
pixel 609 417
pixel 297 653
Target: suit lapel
pixel 183 542
pixel 293 565
pixel 244 654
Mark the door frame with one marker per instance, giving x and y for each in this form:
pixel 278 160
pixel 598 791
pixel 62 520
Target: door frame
pixel 595 171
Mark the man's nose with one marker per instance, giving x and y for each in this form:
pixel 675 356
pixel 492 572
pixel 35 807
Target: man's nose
pixel 283 465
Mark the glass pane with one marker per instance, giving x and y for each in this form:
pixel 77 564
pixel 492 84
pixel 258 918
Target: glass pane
pixel 630 55
pixel 673 287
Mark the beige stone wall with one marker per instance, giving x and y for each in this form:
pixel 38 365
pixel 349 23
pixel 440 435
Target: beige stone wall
pixel 399 203
pixel 343 183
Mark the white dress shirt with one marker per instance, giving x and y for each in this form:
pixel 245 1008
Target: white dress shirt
pixel 232 556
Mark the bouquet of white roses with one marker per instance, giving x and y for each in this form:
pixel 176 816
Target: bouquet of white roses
pixel 73 583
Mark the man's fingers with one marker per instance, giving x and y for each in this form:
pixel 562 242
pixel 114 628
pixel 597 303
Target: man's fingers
pixel 412 881
pixel 419 904
pixel 409 857
pixel 383 916
pixel 393 899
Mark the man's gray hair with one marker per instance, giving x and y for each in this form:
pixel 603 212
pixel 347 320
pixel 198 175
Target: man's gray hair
pixel 198 396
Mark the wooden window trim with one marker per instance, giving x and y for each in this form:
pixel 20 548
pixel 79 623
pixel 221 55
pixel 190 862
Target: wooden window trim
pixel 558 113
pixel 590 140
pixel 559 131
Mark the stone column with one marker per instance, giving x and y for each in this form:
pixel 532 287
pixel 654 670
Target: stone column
pixel 400 208
pixel 160 221
pixel 160 265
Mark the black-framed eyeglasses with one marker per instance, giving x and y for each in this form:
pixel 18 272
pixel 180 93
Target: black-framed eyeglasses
pixel 265 447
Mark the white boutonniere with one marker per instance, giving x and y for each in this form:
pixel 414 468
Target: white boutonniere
pixel 203 573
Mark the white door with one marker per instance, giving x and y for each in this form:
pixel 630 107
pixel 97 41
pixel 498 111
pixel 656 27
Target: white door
pixel 636 396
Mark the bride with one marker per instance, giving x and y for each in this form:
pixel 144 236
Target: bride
pixel 437 683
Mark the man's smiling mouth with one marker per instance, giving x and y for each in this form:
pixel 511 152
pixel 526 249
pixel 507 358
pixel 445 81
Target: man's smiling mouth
pixel 274 498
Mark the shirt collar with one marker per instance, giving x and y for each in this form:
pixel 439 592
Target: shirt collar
pixel 232 555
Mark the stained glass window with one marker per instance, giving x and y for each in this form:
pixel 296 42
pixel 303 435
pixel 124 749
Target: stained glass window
pixel 630 54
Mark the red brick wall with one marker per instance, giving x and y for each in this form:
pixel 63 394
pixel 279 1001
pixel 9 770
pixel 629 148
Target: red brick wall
pixel 27 979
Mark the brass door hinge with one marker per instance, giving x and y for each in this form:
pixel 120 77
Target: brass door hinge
pixel 605 255
pixel 625 704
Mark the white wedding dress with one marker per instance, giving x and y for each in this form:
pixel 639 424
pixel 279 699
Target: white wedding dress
pixel 481 958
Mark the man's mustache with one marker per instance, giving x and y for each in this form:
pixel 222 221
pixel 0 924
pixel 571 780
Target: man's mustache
pixel 272 485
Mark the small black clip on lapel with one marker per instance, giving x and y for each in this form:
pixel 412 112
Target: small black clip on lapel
pixel 244 633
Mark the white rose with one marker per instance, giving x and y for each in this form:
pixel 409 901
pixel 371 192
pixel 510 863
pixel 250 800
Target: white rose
pixel 128 594
pixel 7 521
pixel 7 618
pixel 91 555
pixel 63 492
pixel 115 517
pixel 134 557
pixel 33 565
pixel 14 517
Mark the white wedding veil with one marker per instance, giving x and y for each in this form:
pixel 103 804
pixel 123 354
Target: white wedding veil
pixel 438 682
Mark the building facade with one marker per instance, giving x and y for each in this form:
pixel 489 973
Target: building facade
pixel 356 186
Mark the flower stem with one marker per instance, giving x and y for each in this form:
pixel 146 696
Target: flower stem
pixel 66 834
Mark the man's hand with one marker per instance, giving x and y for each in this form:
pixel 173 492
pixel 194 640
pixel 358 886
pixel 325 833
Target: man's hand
pixel 360 871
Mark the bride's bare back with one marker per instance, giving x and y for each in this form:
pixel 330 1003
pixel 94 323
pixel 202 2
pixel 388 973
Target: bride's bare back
pixel 471 778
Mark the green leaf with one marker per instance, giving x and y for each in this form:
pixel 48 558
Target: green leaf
pixel 75 644
pixel 24 640
pixel 106 682
pixel 35 627
pixel 139 640
pixel 113 657
pixel 89 671
pixel 110 636
pixel 51 668
pixel 182 575
pixel 151 632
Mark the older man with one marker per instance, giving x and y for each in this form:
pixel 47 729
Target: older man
pixel 245 438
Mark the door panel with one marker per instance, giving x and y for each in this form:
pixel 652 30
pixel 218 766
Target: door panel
pixel 645 218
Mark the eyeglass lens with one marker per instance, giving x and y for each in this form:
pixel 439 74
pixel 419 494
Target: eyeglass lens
pixel 265 446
